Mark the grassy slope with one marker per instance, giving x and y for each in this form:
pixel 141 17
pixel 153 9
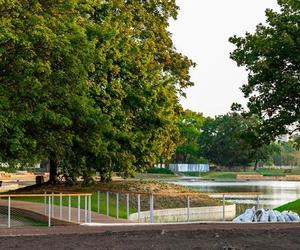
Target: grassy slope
pixel 292 206
pixel 150 176
pixel 265 172
pixel 161 202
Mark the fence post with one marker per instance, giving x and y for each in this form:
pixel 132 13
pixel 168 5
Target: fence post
pixel 60 206
pixel 49 211
pixel 117 197
pixel 127 205
pixel 85 209
pixel 223 207
pixel 151 208
pixel 90 208
pixel 107 203
pixel 188 208
pixel 8 213
pixel 139 207
pixel 45 202
pixel 69 208
pixel 78 210
pixel 52 209
pixel 98 202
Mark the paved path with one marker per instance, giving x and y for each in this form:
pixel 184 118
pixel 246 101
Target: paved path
pixel 42 209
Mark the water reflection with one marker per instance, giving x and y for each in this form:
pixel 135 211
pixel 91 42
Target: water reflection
pixel 275 193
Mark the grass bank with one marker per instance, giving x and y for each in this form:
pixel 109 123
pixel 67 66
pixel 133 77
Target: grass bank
pixel 226 175
pixel 154 177
pixel 291 206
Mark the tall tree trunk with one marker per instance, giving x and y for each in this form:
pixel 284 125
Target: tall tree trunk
pixel 255 165
pixel 53 171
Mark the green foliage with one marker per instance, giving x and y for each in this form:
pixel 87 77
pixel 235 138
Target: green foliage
pixel 138 76
pixel 288 155
pixel 89 85
pixel 160 171
pixel 232 140
pixel 271 57
pixel 188 151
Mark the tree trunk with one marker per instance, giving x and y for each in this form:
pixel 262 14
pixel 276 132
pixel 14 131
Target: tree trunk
pixel 105 177
pixel 255 165
pixel 53 171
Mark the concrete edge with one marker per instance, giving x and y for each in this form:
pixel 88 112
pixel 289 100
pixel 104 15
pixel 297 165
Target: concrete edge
pixel 179 223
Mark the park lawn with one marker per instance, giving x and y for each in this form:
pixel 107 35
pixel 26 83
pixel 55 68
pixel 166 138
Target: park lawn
pixel 154 176
pixel 291 206
pixel 29 221
pixel 94 203
pixel 279 172
pixel 226 175
pixel 223 175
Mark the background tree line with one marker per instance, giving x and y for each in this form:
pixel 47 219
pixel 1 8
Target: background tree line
pixel 232 140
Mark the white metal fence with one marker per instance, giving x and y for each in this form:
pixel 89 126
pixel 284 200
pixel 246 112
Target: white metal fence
pixel 200 168
pixel 55 208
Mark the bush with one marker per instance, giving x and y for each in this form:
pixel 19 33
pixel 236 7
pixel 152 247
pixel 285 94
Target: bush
pixel 160 171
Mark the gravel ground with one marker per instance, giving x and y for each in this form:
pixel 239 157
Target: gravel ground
pixel 196 236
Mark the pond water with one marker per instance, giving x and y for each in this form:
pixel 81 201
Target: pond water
pixel 275 193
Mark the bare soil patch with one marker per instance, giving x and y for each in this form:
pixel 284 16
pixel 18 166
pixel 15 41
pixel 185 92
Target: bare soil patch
pixel 201 236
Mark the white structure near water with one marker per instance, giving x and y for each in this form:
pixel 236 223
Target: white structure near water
pixel 213 213
pixel 200 168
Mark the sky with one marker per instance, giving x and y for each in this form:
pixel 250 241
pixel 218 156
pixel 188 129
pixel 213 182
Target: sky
pixel 201 32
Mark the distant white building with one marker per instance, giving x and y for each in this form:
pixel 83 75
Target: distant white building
pixel 198 168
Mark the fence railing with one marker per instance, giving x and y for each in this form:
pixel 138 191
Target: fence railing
pixel 61 208
pixel 57 208
pixel 150 202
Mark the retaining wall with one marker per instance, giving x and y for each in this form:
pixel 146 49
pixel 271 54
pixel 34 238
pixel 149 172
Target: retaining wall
pixel 214 213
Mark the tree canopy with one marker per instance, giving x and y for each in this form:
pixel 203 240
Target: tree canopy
pixel 190 127
pixel 89 85
pixel 233 140
pixel 271 56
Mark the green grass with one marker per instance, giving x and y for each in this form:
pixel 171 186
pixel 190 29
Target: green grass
pixel 160 171
pixel 94 203
pixel 149 177
pixel 279 172
pixel 232 174
pixel 193 174
pixel 29 221
pixel 222 175
pixel 292 206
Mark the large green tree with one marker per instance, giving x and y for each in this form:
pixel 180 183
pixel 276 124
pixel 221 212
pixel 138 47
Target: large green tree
pixel 89 85
pixel 138 77
pixel 45 61
pixel 271 56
